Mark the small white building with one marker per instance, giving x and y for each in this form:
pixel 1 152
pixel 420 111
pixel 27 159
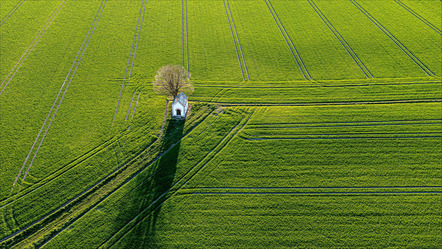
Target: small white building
pixel 180 106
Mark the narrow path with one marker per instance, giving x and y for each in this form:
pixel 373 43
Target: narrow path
pixel 429 24
pixel 404 49
pixel 12 11
pixel 341 40
pixel 31 47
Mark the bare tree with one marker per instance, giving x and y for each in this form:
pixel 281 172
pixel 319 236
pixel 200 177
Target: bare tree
pixel 172 79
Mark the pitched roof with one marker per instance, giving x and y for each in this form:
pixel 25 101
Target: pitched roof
pixel 180 98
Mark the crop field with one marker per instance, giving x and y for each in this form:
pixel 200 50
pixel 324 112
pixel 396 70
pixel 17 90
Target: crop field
pixel 313 124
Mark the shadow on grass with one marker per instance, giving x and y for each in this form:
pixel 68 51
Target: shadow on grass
pixel 151 191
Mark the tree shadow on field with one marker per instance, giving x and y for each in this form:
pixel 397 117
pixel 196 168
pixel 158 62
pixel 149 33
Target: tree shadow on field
pixel 151 190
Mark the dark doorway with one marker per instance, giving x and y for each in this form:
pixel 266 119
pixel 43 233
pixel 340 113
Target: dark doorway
pixel 178 112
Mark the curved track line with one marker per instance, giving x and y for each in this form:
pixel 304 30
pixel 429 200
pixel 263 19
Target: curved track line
pixel 136 103
pixel 138 218
pixel 404 49
pixel 31 46
pixel 237 39
pixel 53 105
pixel 90 189
pixel 12 11
pixel 287 38
pixel 234 41
pixel 130 105
pixel 341 40
pixel 136 38
pixel 429 24
pixel 64 93
pixel 115 189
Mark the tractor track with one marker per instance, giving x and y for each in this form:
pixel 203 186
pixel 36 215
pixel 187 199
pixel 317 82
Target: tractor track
pixel 341 40
pixel 71 203
pixel 130 105
pixel 315 193
pixel 234 41
pixel 383 102
pixel 287 38
pixel 404 49
pixel 228 11
pixel 349 123
pixel 331 137
pixel 134 42
pixel 185 36
pixel 77 62
pixel 12 11
pixel 342 190
pixel 68 166
pixel 173 189
pixel 136 103
pixel 31 47
pixel 429 24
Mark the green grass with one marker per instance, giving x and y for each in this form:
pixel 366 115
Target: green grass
pixel 291 221
pixel 278 161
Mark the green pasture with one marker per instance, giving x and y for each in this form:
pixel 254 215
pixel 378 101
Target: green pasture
pixel 268 157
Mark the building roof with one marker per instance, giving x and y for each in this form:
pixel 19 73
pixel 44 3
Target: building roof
pixel 180 98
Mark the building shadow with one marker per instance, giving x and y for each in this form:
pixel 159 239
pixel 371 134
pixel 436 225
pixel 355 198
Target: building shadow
pixel 152 191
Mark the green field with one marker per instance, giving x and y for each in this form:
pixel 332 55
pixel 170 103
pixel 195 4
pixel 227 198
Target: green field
pixel 313 124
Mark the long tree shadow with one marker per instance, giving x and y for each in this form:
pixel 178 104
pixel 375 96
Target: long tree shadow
pixel 151 191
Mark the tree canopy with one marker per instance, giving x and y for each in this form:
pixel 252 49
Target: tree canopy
pixel 171 80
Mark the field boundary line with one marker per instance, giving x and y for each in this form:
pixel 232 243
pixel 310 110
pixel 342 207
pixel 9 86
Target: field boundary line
pixel 12 11
pixel 55 101
pixel 165 195
pixel 287 38
pixel 404 49
pixel 135 38
pixel 425 21
pixel 237 37
pixel 31 46
pixel 341 40
pixel 234 41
